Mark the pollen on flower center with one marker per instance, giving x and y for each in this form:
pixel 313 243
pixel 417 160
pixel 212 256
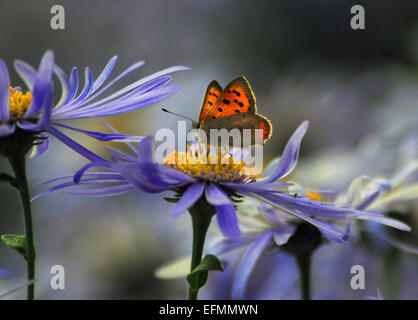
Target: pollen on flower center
pixel 19 103
pixel 314 196
pixel 202 164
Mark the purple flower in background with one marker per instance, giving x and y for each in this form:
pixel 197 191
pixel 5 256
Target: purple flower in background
pixel 220 184
pixel 265 228
pixel 386 195
pixel 34 111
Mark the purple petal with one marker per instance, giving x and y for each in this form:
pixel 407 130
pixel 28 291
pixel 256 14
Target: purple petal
pixel 226 245
pixel 254 187
pixel 150 177
pixel 103 192
pixel 136 84
pixel 216 196
pixel 318 208
pixel 282 234
pixel 131 97
pixel 96 174
pixel 4 94
pixel 102 136
pixel 6 129
pixel 290 155
pixel 116 131
pixel 75 146
pixel 105 73
pixel 227 221
pixel 372 195
pixel 126 72
pixel 119 155
pixel 42 85
pixel 78 175
pixel 328 230
pixel 46 108
pixel 40 149
pixel 65 86
pixel 156 84
pixel 387 221
pixel 73 83
pixel 26 72
pixel 88 87
pixel 83 182
pixel 189 198
pixel 119 106
pixel 145 150
pixel 248 263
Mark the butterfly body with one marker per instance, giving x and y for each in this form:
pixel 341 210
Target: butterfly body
pixel 232 108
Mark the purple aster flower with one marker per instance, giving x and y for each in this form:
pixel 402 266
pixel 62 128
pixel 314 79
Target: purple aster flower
pixel 35 113
pixel 266 228
pixel 394 197
pixel 206 188
pixel 220 185
pixel 28 119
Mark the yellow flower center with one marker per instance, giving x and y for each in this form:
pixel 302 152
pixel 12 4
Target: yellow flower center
pixel 314 196
pixel 19 103
pixel 209 166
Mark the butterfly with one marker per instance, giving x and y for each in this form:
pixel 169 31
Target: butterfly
pixel 230 108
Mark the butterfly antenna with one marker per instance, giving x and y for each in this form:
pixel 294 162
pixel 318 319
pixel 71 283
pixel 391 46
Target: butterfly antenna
pixel 176 114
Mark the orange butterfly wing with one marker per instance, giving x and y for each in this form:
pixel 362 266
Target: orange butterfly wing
pixel 236 98
pixel 212 94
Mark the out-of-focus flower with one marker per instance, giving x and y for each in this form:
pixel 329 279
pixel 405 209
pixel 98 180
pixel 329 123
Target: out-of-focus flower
pixel 266 228
pixel 396 194
pixel 220 184
pixel 33 114
pixel 380 193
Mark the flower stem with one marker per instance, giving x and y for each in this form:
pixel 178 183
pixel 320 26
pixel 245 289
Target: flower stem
pixel 18 164
pixel 304 267
pixel 201 213
pixel 302 245
pixel 391 273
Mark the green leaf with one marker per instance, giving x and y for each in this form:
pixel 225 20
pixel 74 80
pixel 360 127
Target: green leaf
pixel 16 242
pixel 198 277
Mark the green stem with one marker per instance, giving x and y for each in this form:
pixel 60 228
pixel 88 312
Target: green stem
pixel 303 262
pixel 201 213
pixel 391 273
pixel 18 164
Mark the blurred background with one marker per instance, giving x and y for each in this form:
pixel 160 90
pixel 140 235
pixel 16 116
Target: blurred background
pixel 358 89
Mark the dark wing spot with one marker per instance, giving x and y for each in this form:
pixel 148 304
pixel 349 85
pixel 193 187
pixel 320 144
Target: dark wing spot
pixel 235 100
pixel 240 104
pixel 229 91
pixel 236 92
pixel 220 109
pixel 213 117
pixel 226 101
pixel 237 111
pixel 211 103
